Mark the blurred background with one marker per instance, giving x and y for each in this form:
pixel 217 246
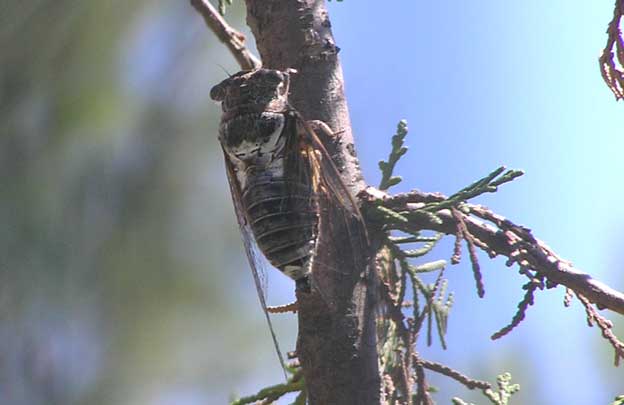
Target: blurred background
pixel 122 274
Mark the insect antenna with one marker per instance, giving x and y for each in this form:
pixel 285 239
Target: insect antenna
pixel 225 70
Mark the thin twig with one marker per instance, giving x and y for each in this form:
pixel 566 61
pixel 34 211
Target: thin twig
pixel 407 365
pixel 234 40
pixel 528 300
pixel 605 326
pixel 456 375
pixel 457 247
pixel 567 299
pixel 474 260
pixel 282 309
pixel 271 394
pixel 398 150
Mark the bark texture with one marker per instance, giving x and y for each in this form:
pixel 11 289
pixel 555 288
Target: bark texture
pixel 336 344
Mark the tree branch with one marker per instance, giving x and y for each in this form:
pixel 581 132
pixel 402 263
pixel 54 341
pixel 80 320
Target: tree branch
pixel 234 40
pixel 502 237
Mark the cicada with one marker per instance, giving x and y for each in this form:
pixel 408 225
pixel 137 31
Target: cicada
pixel 283 182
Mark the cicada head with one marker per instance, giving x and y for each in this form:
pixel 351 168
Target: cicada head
pixel 256 90
pixel 255 106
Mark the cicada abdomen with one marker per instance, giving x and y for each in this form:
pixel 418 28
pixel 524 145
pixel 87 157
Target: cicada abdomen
pixel 273 182
pixel 283 218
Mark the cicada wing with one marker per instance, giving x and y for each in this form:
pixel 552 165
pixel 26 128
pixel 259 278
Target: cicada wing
pixel 342 237
pixel 253 254
pixel 336 198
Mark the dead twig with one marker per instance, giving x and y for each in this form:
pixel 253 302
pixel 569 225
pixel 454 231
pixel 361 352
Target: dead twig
pixel 234 40
pixel 528 300
pixel 282 309
pixel 612 58
pixel 605 326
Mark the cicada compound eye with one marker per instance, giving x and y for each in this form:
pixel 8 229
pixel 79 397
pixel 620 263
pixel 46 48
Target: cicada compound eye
pixel 217 93
pixel 271 76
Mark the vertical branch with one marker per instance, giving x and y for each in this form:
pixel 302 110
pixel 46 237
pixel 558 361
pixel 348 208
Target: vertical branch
pixel 336 344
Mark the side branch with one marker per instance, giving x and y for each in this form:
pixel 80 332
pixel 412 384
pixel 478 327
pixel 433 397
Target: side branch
pixel 612 58
pixel 502 237
pixel 456 375
pixel 234 40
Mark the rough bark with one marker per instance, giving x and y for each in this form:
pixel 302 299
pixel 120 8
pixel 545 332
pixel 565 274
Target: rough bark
pixel 336 344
